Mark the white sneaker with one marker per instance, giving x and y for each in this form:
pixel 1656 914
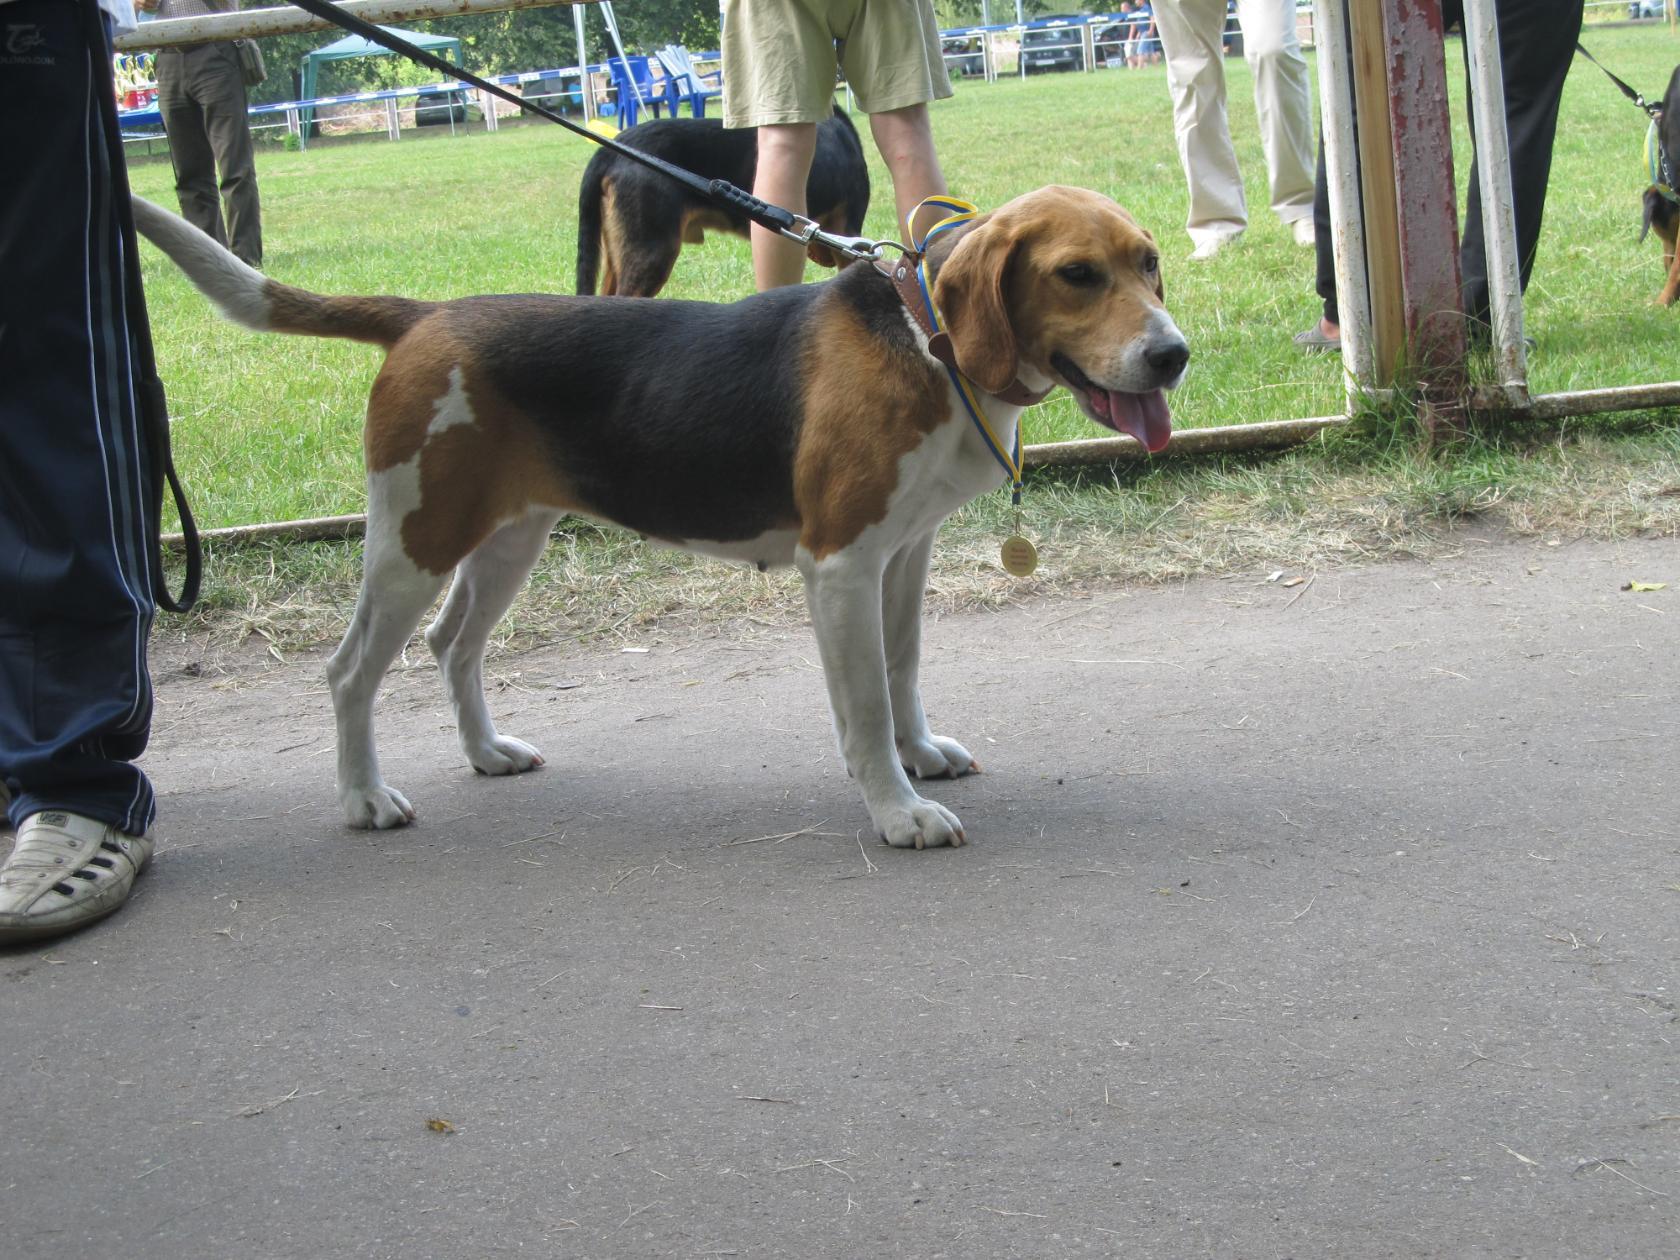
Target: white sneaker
pixel 1305 233
pixel 64 872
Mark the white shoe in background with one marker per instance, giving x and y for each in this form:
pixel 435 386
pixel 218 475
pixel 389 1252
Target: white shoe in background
pixel 1210 246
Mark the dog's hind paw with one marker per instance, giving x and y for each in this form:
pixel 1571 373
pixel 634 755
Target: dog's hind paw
pixel 378 808
pixel 924 824
pixel 504 755
pixel 935 757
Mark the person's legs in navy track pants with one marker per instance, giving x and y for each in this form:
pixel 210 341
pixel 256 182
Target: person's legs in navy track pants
pixel 76 476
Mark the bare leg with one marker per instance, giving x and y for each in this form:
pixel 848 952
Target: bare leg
pixel 905 139
pixel 785 153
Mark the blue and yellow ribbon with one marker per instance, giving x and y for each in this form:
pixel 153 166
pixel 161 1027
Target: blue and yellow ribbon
pixel 959 211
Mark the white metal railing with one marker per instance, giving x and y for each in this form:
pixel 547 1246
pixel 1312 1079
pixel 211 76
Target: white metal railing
pixel 1099 40
pixel 1632 10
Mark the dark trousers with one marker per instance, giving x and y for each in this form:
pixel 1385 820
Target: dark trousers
pixel 1536 43
pixel 75 466
pixel 201 94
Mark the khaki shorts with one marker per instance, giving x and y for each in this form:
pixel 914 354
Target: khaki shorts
pixel 779 58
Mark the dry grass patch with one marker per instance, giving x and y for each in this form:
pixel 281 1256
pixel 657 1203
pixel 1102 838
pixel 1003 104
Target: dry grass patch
pixel 1338 501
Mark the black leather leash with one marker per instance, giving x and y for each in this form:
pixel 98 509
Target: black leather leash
pixel 773 218
pixel 1661 173
pixel 1655 111
pixel 149 399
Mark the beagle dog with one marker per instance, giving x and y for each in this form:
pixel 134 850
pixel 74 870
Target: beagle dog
pixel 633 221
pixel 806 426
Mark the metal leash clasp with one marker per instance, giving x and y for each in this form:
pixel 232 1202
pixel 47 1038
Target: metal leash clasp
pixel 858 248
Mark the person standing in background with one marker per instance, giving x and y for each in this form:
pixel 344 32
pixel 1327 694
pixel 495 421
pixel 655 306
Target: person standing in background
pixel 1128 34
pixel 1536 47
pixel 201 94
pixel 779 64
pixel 1148 38
pixel 1191 32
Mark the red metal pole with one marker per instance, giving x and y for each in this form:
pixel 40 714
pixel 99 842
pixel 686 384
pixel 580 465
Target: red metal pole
pixel 1421 127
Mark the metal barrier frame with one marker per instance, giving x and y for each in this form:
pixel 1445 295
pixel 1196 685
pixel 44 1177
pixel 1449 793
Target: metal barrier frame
pixel 1510 395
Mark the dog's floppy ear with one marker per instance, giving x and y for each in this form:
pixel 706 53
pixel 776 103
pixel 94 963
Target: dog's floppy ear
pixel 969 293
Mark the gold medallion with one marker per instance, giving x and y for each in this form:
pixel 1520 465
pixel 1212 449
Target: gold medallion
pixel 1020 557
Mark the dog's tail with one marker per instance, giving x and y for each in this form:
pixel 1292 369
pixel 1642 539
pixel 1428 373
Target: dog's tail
pixel 248 297
pixel 589 225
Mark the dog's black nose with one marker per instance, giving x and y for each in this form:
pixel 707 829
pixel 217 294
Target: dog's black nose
pixel 1167 358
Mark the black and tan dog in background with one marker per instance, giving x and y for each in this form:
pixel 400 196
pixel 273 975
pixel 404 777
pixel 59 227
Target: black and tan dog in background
pixel 1662 209
pixel 634 221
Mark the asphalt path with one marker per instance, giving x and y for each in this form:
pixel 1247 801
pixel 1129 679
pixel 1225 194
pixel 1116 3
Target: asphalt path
pixel 1338 918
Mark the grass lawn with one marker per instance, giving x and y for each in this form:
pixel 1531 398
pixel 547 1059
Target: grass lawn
pixel 268 428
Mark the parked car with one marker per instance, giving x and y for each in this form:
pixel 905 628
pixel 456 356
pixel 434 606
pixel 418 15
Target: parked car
pixel 438 108
pixel 963 56
pixel 1109 42
pixel 1059 44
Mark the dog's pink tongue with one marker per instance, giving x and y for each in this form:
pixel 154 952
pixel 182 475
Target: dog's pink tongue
pixel 1143 416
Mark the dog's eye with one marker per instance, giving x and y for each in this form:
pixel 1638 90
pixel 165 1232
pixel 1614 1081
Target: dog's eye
pixel 1151 264
pixel 1078 273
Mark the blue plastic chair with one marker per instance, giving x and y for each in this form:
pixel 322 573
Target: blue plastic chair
pixel 684 83
pixel 626 85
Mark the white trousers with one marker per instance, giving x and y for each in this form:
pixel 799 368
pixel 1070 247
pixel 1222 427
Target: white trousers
pixel 1190 36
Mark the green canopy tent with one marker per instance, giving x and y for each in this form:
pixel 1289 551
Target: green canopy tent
pixel 356 46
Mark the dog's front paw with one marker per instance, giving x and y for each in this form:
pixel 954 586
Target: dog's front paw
pixel 935 757
pixel 378 808
pixel 503 754
pixel 923 824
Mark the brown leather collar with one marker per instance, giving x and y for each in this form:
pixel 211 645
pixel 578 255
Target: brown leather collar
pixel 903 276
